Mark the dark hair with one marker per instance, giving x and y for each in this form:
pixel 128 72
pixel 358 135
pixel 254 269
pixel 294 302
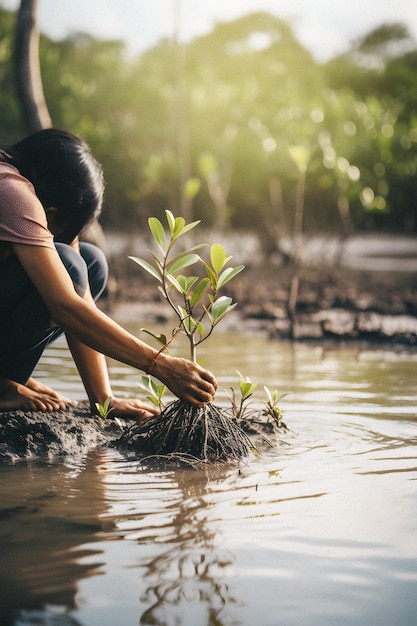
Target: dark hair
pixel 65 175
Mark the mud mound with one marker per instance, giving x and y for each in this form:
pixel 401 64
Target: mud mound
pixel 50 436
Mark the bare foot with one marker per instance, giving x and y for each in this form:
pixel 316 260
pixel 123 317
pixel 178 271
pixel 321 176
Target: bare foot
pixel 30 397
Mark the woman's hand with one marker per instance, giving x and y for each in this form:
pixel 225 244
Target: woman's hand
pixel 34 396
pixel 185 379
pixel 131 408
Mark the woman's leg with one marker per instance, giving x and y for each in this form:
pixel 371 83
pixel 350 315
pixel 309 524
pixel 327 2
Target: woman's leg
pixel 25 325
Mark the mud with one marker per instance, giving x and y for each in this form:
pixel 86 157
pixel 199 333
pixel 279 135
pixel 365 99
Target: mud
pixel 69 434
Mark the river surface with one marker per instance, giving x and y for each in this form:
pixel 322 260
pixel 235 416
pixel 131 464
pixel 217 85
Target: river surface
pixel 319 530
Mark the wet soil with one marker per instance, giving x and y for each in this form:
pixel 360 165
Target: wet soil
pixel 34 435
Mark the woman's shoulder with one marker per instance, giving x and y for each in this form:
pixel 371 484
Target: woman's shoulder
pixel 22 216
pixel 14 185
pixel 7 169
pixel 11 180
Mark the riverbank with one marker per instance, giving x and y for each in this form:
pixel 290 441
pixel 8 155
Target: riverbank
pixel 334 304
pixel 74 432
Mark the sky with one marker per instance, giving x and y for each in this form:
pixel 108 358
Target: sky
pixel 325 27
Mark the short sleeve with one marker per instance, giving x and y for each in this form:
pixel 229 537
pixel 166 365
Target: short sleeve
pixel 22 216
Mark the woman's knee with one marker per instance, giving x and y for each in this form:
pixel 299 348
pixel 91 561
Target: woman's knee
pixel 98 269
pixel 75 266
pixel 88 268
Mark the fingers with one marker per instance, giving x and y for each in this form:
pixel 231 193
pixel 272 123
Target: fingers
pixel 48 405
pixel 43 403
pixel 201 392
pixel 132 408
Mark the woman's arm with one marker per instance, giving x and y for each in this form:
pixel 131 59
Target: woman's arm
pixel 90 326
pixel 92 368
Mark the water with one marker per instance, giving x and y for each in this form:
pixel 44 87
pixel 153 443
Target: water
pixel 321 530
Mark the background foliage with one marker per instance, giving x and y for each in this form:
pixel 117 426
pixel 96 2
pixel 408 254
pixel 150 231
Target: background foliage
pixel 241 127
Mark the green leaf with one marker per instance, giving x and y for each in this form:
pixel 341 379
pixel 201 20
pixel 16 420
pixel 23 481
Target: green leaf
pixel 186 283
pixel 156 391
pixel 220 317
pixel 189 227
pixel 103 409
pixel 158 232
pixel 171 220
pixel 178 227
pixel 162 292
pixel 147 266
pixel 190 324
pixel 228 274
pixel 148 384
pixel 212 277
pixel 160 338
pixel 220 307
pixel 268 394
pixel 218 257
pixel 199 291
pixel 247 389
pixel 184 261
pixel 174 282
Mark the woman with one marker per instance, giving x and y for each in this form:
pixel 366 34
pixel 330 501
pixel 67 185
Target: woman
pixel 51 188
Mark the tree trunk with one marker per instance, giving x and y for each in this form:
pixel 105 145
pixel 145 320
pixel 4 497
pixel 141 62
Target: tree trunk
pixel 27 69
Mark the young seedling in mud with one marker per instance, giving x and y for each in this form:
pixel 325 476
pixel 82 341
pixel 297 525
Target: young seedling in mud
pixel 272 410
pixel 246 388
pixel 245 417
pixel 182 429
pixel 104 409
pixel 156 392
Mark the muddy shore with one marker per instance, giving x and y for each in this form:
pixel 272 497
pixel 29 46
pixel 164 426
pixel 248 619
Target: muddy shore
pixel 333 304
pixel 337 305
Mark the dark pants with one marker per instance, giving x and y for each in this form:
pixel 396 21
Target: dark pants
pixel 26 328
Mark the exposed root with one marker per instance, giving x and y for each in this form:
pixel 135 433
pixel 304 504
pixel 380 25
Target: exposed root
pixel 184 431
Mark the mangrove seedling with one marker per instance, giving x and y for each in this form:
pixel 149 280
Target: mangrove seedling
pixel 272 410
pixel 195 300
pixel 246 388
pixel 207 433
pixel 104 409
pixel 156 392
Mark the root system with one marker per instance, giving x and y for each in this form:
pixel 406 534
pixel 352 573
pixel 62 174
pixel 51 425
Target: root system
pixel 204 434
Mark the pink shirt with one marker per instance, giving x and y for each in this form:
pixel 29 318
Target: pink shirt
pixel 22 216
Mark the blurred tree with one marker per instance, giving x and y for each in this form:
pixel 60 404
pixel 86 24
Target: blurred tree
pixel 27 68
pixel 380 75
pixel 10 118
pixel 246 93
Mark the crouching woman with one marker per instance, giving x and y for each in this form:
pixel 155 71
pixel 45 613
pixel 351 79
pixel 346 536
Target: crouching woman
pixel 51 188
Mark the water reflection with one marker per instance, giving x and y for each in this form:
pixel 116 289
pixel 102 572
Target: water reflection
pixel 48 514
pixel 186 583
pixel 320 530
